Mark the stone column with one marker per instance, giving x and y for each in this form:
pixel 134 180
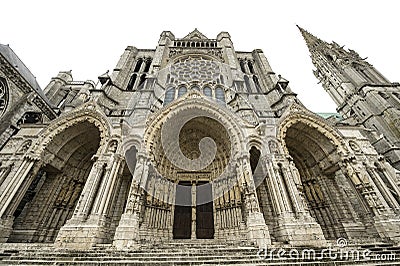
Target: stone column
pixel 386 222
pixel 5 171
pixel 109 185
pixel 383 187
pixel 16 181
pixel 294 180
pixel 127 232
pixel 8 195
pixel 83 234
pixel 193 235
pixel 88 195
pixel 257 229
pixel 295 224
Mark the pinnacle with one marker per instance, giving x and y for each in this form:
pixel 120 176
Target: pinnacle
pixel 310 39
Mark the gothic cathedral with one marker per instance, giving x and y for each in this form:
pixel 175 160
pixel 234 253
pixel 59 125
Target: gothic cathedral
pixel 195 140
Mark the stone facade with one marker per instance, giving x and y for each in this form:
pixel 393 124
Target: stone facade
pixel 195 140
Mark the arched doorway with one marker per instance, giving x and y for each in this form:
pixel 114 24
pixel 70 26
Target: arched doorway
pixel 53 193
pixel 212 203
pixel 317 159
pixel 193 208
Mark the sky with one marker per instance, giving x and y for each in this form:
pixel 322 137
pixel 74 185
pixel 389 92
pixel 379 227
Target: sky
pixel 88 37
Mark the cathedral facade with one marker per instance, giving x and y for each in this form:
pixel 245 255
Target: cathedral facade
pixel 195 140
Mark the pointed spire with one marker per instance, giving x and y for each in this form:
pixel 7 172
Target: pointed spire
pixel 310 39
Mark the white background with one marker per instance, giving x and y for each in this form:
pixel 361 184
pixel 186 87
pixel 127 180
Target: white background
pixel 88 37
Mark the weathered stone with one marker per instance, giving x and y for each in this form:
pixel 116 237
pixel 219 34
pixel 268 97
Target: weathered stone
pixel 194 140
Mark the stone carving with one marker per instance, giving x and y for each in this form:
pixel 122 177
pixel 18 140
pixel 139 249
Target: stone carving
pixel 354 146
pixel 273 147
pixel 112 147
pixel 25 146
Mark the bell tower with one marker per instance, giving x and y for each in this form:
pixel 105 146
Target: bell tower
pixel 363 96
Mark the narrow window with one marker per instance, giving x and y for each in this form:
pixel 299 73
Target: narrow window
pixel 254 158
pixel 182 90
pixel 142 79
pixel 257 83
pixel 219 94
pixel 148 64
pixel 242 66
pixel 207 91
pixel 169 96
pixel 138 65
pixel 247 82
pixel 251 67
pixel 168 77
pixel 131 82
pixel 222 79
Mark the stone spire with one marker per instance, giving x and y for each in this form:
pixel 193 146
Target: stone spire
pixel 311 41
pixel 362 94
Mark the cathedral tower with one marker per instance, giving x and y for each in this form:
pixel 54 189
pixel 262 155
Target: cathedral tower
pixel 363 95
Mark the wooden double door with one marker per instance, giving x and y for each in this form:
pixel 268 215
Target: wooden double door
pixel 188 217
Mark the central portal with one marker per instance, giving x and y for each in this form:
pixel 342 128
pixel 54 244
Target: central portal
pixel 195 159
pixel 193 216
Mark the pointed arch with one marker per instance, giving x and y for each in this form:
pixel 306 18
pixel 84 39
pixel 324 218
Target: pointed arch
pixel 88 112
pixel 314 122
pixel 194 100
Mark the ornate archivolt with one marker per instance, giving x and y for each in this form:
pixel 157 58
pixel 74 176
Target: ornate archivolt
pixel 209 120
pixel 297 114
pixel 194 100
pixel 88 112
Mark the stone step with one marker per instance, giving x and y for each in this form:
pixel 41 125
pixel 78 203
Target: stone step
pixel 143 257
pixel 179 254
pixel 149 258
pixel 141 252
pixel 169 263
pixel 151 253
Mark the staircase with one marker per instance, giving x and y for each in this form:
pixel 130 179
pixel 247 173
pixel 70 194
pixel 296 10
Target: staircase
pixel 189 252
